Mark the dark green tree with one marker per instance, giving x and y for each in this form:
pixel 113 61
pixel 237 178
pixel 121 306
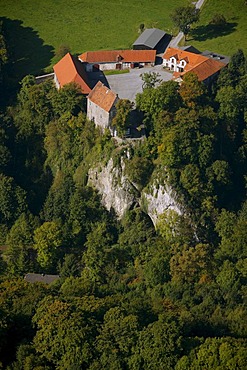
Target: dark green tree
pixel 116 340
pixel 150 79
pixel 19 253
pixel 122 118
pixel 183 17
pixel 158 346
pixel 216 353
pixel 12 200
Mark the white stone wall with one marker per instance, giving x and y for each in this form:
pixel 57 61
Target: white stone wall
pixel 102 66
pixel 56 81
pixel 98 115
pixel 111 66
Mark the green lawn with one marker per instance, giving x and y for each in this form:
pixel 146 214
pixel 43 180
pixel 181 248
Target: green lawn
pixel 116 72
pixel 35 28
pixel 230 38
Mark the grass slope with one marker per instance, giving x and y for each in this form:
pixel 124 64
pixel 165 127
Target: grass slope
pixel 232 37
pixel 36 28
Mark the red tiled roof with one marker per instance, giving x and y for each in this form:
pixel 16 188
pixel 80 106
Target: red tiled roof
pixel 192 58
pixel 111 56
pixel 69 69
pixel 102 96
pixel 202 66
pixel 207 68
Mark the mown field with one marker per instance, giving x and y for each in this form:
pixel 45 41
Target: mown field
pixel 231 37
pixel 36 28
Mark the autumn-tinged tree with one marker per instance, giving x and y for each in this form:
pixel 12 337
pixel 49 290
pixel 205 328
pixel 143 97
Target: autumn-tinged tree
pixel 189 264
pixel 64 334
pixel 191 90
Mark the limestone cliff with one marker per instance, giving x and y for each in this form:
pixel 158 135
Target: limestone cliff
pixel 120 194
pixel 159 198
pixel 116 190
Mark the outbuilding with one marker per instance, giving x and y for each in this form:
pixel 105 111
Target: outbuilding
pixel 152 39
pixel 117 59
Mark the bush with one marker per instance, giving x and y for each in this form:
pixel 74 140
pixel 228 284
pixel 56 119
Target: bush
pixel 62 50
pixel 218 20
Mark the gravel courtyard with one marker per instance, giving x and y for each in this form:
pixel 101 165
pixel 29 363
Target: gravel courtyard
pixel 127 85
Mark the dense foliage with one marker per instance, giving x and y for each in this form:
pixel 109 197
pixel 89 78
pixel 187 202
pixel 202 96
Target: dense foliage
pixel 128 296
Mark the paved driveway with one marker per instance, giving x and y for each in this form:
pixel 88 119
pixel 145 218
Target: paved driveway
pixel 127 85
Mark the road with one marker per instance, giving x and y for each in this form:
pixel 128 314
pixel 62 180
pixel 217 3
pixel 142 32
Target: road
pixel 176 40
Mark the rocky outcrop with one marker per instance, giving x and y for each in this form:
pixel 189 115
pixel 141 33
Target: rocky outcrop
pixel 120 194
pixel 116 190
pixel 159 198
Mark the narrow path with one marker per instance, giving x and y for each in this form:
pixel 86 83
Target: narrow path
pixel 176 40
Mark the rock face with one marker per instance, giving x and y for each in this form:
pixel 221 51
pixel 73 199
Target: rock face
pixel 120 194
pixel 159 199
pixel 116 190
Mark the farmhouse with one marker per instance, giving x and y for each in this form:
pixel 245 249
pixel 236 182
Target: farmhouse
pixel 101 105
pixel 182 62
pixel 117 59
pixel 151 39
pixel 70 69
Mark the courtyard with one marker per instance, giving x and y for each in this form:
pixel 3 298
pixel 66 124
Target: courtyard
pixel 127 85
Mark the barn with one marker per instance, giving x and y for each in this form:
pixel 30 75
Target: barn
pixel 152 39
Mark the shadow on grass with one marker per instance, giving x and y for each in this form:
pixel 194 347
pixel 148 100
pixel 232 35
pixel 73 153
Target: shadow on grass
pixel 27 52
pixel 210 31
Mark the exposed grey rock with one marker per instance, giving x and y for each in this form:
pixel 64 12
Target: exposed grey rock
pixel 116 190
pixel 158 199
pixel 120 194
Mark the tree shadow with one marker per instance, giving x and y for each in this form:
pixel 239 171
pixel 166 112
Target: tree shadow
pixel 210 31
pixel 26 50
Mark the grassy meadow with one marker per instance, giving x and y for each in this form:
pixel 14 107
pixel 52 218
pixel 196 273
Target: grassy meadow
pixel 36 28
pixel 231 37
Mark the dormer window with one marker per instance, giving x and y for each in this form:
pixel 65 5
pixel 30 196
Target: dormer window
pixel 119 58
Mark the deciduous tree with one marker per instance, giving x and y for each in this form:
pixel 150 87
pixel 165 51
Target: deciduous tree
pixel 47 241
pixel 183 17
